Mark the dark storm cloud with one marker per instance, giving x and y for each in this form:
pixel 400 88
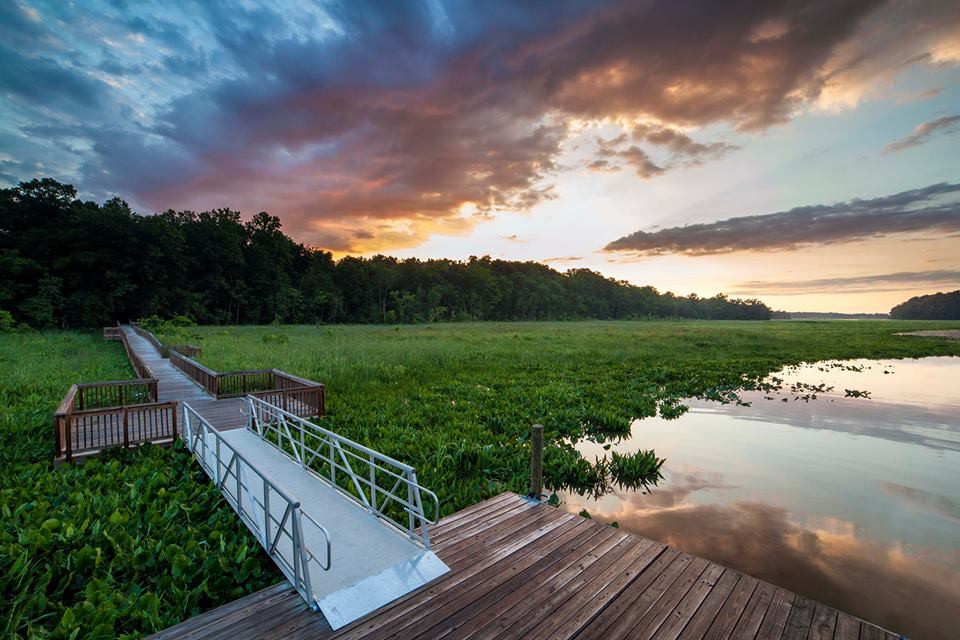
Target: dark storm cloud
pixel 933 208
pixel 946 124
pixel 355 113
pixel 900 281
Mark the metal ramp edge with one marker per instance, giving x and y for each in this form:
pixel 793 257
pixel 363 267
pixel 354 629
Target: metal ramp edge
pixel 346 556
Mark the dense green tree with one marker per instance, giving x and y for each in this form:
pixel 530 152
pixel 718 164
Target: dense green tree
pixel 936 306
pixel 64 262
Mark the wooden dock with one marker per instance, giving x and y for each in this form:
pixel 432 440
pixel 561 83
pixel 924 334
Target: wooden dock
pixel 525 570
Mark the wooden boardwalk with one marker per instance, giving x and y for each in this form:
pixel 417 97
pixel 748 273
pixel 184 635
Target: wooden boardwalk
pixel 174 385
pixel 526 570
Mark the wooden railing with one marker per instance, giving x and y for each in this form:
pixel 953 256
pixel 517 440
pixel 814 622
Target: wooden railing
pixel 111 333
pixel 295 394
pixel 190 350
pixel 136 361
pixel 202 375
pixel 116 393
pixel 90 430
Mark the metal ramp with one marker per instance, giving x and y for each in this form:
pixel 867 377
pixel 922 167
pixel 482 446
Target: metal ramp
pixel 346 524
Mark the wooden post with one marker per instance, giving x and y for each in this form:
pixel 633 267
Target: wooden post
pixel 126 430
pixel 536 462
pixel 66 436
pixel 174 411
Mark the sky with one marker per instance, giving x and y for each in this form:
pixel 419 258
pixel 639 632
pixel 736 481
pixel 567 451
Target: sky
pixel 807 154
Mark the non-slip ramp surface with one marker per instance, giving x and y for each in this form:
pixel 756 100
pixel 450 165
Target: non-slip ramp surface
pixel 371 563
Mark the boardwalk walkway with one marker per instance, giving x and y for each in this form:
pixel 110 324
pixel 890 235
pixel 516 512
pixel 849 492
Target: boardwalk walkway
pixel 525 570
pixel 175 386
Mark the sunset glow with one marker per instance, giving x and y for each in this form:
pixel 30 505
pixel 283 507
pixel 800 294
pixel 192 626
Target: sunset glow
pixel 805 154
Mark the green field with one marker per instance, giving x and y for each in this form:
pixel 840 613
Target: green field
pixel 133 542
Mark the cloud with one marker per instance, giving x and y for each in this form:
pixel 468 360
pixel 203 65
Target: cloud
pixel 932 208
pixel 681 148
pixel 680 144
pixel 399 117
pixel 922 133
pixel 632 155
pixel 563 259
pixel 900 281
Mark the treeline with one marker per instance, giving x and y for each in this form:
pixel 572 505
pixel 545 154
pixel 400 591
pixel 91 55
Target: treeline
pixel 936 306
pixel 67 263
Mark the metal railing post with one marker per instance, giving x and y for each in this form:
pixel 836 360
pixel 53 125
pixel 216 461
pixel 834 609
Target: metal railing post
pixel 373 483
pixel 266 516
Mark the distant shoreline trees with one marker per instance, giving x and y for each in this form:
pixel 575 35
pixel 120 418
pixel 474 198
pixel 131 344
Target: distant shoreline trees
pixel 936 306
pixel 67 263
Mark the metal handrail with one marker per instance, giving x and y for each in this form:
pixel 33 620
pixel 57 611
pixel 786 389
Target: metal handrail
pixel 306 443
pixel 250 492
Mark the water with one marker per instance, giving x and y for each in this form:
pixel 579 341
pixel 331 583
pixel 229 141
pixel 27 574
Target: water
pixel 854 502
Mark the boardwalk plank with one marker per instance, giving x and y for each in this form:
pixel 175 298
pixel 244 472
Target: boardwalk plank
pixel 753 614
pixel 587 604
pixel 823 623
pixel 661 608
pixel 684 611
pixel 848 628
pixel 519 588
pixel 800 620
pixel 634 601
pixel 775 620
pixel 708 611
pixel 579 580
pixel 493 605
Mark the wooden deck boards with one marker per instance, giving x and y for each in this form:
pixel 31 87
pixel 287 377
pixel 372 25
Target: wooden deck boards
pixel 174 385
pixel 523 570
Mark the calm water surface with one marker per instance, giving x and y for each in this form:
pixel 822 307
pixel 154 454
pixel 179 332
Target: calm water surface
pixel 854 502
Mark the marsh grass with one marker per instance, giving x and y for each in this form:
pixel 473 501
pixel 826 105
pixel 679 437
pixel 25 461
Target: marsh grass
pixel 457 400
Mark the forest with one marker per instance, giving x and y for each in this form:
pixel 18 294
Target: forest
pixel 68 263
pixel 936 306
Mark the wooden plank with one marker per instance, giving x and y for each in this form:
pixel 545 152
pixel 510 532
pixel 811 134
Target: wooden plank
pixel 494 561
pixel 683 613
pixel 800 620
pixel 775 620
pixel 629 627
pixel 848 628
pixel 823 623
pixel 872 632
pixel 496 529
pixel 452 603
pixel 568 619
pixel 708 611
pixel 464 615
pixel 516 527
pixel 502 517
pixel 753 614
pixel 530 611
pixel 446 523
pixel 636 599
pixel 247 602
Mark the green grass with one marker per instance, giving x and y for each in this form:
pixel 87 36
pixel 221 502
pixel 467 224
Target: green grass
pixel 457 400
pixel 123 545
pixel 135 541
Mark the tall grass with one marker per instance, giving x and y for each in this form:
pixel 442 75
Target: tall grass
pixel 458 400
